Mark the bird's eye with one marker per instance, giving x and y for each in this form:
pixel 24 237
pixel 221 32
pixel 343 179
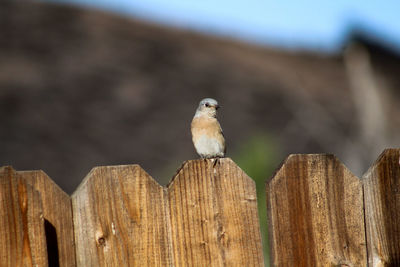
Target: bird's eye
pixel 206 104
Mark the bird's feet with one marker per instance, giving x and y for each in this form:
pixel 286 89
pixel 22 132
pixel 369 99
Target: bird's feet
pixel 216 161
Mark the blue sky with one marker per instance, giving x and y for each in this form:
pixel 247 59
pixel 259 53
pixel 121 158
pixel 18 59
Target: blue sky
pixel 311 24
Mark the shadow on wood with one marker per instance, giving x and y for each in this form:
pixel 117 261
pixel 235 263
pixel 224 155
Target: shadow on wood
pixel 52 244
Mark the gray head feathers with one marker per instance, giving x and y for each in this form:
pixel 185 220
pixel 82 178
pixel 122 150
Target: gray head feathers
pixel 208 107
pixel 208 102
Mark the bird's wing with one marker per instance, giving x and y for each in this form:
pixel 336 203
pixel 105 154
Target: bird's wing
pixel 223 136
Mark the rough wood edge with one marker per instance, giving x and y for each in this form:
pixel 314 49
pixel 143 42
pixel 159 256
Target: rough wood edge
pixel 212 161
pixel 41 172
pixel 98 168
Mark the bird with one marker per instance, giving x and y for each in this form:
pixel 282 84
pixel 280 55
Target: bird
pixel 207 135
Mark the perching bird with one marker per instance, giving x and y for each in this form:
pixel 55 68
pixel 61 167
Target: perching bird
pixel 207 135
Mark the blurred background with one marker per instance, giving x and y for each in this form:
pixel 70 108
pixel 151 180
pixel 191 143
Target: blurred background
pixel 86 83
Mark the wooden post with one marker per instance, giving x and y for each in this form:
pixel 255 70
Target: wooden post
pixel 213 215
pixel 315 209
pixel 382 209
pixel 57 211
pixel 22 236
pixel 119 218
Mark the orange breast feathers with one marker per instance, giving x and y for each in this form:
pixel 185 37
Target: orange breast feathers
pixel 206 126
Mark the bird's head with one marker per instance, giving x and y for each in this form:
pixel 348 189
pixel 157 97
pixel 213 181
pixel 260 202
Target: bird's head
pixel 208 106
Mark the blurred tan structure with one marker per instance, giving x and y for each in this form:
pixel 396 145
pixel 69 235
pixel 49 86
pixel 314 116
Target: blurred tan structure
pixel 80 88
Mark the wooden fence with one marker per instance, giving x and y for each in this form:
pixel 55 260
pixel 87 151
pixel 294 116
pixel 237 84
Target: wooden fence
pixel 320 214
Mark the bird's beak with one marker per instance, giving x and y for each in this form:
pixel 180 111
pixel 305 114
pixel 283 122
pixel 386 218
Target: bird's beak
pixel 217 106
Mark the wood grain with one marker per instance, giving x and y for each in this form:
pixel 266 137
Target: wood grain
pixel 22 236
pixel 206 217
pixel 57 210
pixel 382 209
pixel 119 217
pixel 213 215
pixel 315 210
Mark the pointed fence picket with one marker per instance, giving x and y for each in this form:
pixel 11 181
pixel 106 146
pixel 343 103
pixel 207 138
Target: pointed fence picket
pixel 22 236
pixel 57 214
pixel 320 214
pixel 382 209
pixel 119 219
pixel 316 213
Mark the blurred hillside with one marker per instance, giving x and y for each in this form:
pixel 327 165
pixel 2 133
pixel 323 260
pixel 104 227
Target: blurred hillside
pixel 81 88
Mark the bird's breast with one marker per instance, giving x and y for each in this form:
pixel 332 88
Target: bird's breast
pixel 205 127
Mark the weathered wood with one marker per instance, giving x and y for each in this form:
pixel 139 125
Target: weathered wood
pixel 213 215
pixel 315 210
pixel 57 210
pixel 22 236
pixel 119 217
pixel 382 209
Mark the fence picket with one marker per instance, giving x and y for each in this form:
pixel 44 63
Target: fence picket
pixel 213 215
pixel 382 209
pixel 315 208
pixel 22 236
pixel 57 211
pixel 119 219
